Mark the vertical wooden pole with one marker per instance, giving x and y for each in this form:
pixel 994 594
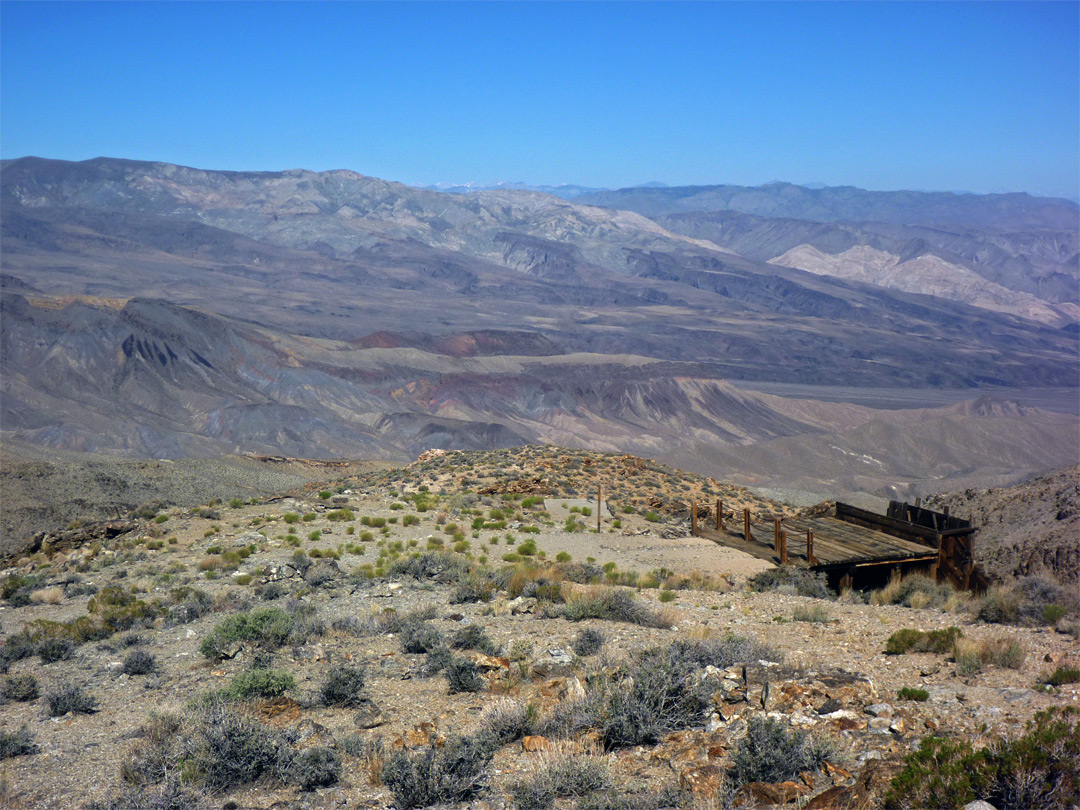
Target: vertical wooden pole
pixel 746 525
pixel 693 518
pixel 810 547
pixel 599 501
pixel 776 534
pixel 719 515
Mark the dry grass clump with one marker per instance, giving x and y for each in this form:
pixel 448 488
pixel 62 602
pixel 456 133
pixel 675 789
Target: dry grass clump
pixel 973 656
pixel 566 769
pixel 612 604
pixel 918 591
pixel 48 596
pixel 1033 600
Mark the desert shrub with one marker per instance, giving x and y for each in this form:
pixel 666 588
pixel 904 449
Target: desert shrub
pixel 454 772
pixel 473 637
pixel 69 697
pixel 268 626
pixel 773 751
pixel 664 798
pixel 653 695
pixel 1063 675
pixel 1036 769
pixel 792 580
pixel 973 656
pixel 440 566
pixel 810 613
pixel 17 743
pixel 464 676
pixel 914 591
pixel 419 637
pixel 912 693
pixel 314 768
pixel 258 682
pixel 505 721
pixel 613 605
pixel 720 653
pixel 437 661
pixel 139 662
pixel 16 588
pixel 121 610
pixel 587 642
pixel 171 794
pixel 20 688
pixel 343 686
pixel 473 588
pixel 55 649
pixel 561 773
pixel 223 748
pixel 910 640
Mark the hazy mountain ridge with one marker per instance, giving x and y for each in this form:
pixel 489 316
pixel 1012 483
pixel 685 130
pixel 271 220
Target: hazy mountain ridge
pixel 847 203
pixel 530 263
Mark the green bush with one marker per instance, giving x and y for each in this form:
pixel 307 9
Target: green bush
pixel 258 682
pixel 587 642
pixel 17 743
pixel 464 676
pixel 791 579
pixel 1037 769
pixel 268 626
pixel 454 772
pixel 55 649
pixel 343 687
pixel 910 640
pixel 614 605
pixel 19 687
pixel 314 768
pixel 1062 676
pixel 773 751
pixel 473 637
pixel 912 693
pixel 69 697
pixel 139 662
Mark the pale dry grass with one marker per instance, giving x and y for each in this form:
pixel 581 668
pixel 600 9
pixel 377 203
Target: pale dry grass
pixel 47 596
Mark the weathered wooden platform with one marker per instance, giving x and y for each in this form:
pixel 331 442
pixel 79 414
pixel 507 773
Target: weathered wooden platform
pixel 849 539
pixel 837 544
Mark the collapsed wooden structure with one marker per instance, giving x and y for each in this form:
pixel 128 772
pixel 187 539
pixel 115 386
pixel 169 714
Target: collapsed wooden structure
pixel 847 543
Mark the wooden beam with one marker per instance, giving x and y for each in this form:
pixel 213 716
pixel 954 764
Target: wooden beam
pixel 747 534
pixel 599 501
pixel 693 517
pixel 719 515
pixel 810 547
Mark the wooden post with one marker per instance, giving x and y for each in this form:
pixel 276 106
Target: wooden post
pixel 719 515
pixel 776 534
pixel 810 547
pixel 599 501
pixel 693 518
pixel 747 535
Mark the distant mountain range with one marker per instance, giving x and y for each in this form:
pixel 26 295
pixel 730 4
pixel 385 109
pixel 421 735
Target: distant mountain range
pixel 153 309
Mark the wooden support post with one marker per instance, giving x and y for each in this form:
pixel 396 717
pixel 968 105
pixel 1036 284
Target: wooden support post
pixel 747 535
pixel 719 515
pixel 776 534
pixel 693 518
pixel 810 547
pixel 599 501
pixel 783 547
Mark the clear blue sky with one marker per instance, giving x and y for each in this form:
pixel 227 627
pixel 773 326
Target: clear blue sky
pixel 960 96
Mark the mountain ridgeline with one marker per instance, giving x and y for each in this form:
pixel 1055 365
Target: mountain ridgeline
pixel 158 310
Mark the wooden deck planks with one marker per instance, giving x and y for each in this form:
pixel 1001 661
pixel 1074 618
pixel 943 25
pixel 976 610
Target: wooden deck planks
pixel 836 543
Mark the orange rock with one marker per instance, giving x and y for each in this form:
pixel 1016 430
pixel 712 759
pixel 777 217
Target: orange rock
pixel 701 780
pixel 533 743
pixel 754 794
